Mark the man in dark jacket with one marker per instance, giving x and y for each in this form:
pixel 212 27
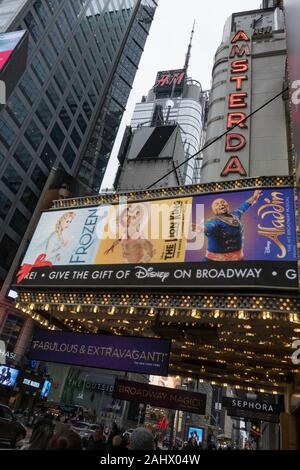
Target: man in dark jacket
pixel 97 441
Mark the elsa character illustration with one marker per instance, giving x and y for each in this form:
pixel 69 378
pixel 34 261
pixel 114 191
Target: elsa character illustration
pixel 135 247
pixel 57 241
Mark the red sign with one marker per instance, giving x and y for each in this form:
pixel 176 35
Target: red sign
pixel 168 80
pixel 236 141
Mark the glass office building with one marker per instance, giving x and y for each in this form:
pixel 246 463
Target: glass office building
pixel 66 109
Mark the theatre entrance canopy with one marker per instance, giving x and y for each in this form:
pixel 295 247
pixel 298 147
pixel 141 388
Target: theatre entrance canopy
pixel 212 267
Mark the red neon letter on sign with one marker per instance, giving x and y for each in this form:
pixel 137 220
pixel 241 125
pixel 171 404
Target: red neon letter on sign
pixel 237 100
pixel 239 66
pixel 240 36
pixel 235 118
pixel 239 81
pixel 234 142
pixel 233 166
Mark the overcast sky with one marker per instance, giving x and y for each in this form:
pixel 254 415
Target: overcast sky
pixel 166 48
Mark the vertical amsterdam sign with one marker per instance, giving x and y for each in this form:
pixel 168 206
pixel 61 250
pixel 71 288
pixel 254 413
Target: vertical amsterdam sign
pixel 239 88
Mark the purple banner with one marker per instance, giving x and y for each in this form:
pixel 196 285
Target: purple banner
pixel 126 353
pixel 163 397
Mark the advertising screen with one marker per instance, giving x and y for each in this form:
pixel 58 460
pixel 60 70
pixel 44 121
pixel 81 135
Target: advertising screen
pixel 8 375
pixel 196 433
pixel 238 238
pixel 8 42
pixel 127 353
pixel 169 80
pixel 29 382
pixel 46 388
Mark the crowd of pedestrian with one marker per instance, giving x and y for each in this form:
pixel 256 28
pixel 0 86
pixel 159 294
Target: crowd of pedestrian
pixel 53 434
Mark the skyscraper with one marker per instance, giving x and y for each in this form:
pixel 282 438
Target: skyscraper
pixel 174 100
pixel 66 109
pixel 249 70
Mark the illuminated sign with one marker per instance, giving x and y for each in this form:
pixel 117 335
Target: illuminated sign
pixel 31 383
pixel 265 410
pixel 162 397
pixel 127 353
pixel 239 86
pixel 234 238
pixel 169 80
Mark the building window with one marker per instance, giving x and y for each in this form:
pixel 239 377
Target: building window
pixel 8 249
pixel 62 27
pixel 7 135
pixel 56 41
pixel 76 138
pixel 48 56
pixel 65 119
pixel 71 103
pixel 5 205
pixel 60 81
pixel 38 177
pixel 68 69
pixel 23 157
pixel 19 223
pixel 81 123
pixel 69 155
pixel 12 179
pixel 11 331
pixel 44 113
pixel 42 13
pixel 29 199
pixel 16 109
pixel 77 89
pixel 34 135
pixel 53 96
pixel 28 87
pixel 57 136
pixel 69 14
pixel 32 26
pixel 39 70
pixel 87 110
pixel 92 96
pixel 48 156
pixel 53 4
pixel 84 75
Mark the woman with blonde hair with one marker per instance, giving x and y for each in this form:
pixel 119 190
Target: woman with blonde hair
pixel 56 240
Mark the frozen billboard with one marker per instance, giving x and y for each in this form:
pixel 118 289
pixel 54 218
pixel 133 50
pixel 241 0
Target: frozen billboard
pixel 8 43
pixel 238 238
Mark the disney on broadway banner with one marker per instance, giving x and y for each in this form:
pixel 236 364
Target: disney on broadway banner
pixel 238 238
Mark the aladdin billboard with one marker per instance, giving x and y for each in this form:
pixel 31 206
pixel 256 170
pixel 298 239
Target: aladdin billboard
pixel 126 353
pixel 163 397
pixel 238 238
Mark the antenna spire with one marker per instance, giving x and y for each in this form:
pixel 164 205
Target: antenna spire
pixel 188 54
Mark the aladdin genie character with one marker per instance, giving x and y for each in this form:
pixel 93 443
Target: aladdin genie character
pixel 225 232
